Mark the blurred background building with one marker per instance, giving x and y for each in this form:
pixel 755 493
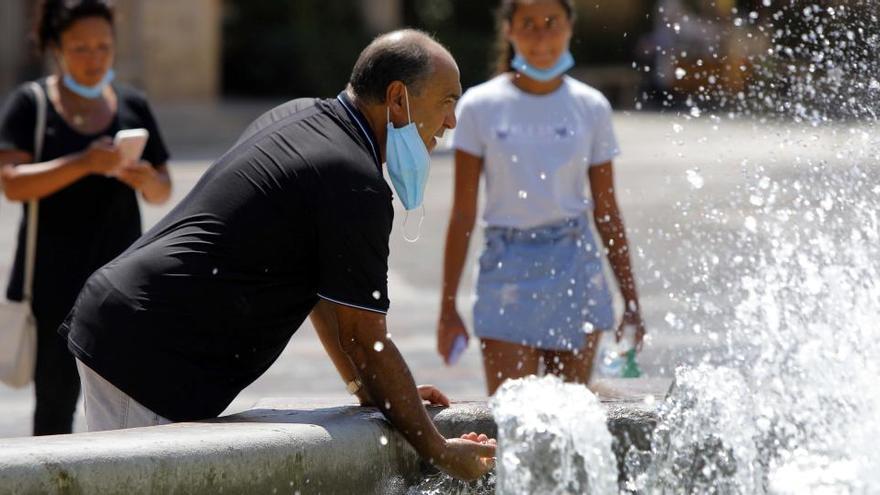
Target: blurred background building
pixel 208 49
pixel 205 50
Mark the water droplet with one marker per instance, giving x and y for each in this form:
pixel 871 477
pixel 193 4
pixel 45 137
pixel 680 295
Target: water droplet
pixel 695 179
pixel 383 440
pixel 378 346
pixel 756 200
pixel 514 158
pixel 543 176
pixel 523 194
pixel 376 295
pixel 751 224
pixel 214 271
pixel 680 73
pixel 677 128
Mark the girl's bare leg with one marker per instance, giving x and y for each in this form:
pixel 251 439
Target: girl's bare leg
pixel 505 360
pixel 573 366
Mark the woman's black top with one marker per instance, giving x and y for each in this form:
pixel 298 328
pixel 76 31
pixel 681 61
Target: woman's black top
pixel 89 222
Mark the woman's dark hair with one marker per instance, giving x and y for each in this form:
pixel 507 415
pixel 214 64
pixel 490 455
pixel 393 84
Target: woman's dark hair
pixel 55 16
pixel 504 14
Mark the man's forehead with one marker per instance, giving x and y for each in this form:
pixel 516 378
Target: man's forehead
pixel 445 76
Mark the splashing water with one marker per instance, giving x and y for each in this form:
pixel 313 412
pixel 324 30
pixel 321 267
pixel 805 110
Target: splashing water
pixel 701 444
pixel 552 439
pixel 782 289
pixel 443 484
pixel 786 273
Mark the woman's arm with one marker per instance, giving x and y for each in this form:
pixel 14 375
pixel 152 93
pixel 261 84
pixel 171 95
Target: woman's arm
pixel 24 181
pixel 609 222
pixel 461 224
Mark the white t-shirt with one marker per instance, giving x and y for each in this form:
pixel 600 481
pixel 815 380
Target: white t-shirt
pixel 536 149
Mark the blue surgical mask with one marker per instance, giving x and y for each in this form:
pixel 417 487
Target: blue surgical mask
pixel 565 62
pixel 408 160
pixel 89 92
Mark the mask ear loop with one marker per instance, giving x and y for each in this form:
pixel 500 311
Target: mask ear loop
pixel 406 95
pixel 419 234
pixel 408 115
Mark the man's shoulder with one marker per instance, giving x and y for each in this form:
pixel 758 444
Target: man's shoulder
pixel 286 112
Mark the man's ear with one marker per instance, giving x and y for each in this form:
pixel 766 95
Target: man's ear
pixel 395 100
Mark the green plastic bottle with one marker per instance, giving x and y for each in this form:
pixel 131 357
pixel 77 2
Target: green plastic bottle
pixel 631 367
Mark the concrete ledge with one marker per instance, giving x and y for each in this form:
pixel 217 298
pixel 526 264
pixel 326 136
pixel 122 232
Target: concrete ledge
pixel 280 446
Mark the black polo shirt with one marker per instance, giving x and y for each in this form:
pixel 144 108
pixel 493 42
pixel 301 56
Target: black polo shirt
pixel 203 303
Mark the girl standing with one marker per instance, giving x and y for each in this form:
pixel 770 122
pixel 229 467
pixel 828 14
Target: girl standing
pixel 540 139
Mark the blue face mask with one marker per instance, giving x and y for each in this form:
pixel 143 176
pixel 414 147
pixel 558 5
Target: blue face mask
pixel 408 161
pixel 565 62
pixel 89 92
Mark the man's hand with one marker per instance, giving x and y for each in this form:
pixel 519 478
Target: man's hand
pixel 428 393
pixel 433 395
pixel 468 457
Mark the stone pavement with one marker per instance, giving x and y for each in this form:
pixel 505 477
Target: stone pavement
pixel 652 180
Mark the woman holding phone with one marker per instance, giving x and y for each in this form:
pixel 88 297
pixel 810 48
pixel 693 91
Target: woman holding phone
pixel 544 143
pixel 86 186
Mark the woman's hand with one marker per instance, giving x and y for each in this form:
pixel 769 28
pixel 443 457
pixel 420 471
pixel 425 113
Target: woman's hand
pixel 102 157
pixel 632 318
pixel 154 183
pixel 137 175
pixel 449 327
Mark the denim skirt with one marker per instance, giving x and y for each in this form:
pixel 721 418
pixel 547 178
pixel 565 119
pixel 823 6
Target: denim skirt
pixel 542 287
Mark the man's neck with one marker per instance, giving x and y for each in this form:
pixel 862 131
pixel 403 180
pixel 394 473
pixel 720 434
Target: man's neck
pixel 376 119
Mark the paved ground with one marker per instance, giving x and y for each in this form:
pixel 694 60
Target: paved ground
pixel 657 194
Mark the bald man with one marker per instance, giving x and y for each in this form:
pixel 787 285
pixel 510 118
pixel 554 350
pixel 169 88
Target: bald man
pixel 293 221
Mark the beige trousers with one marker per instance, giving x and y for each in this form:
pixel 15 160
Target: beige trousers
pixel 108 408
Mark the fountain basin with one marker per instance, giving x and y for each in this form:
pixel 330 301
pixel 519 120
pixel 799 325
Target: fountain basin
pixel 279 446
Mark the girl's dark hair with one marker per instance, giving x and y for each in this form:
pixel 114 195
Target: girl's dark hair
pixel 55 16
pixel 504 14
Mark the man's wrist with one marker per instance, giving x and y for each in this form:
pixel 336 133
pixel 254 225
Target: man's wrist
pixel 436 449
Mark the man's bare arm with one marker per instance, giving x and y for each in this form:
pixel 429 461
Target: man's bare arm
pixel 324 320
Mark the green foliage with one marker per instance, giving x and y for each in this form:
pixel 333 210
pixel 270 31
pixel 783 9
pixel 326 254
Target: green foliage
pixel 295 48
pixel 290 48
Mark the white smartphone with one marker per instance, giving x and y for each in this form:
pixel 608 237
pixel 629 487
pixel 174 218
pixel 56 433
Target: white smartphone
pixel 458 347
pixel 131 142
